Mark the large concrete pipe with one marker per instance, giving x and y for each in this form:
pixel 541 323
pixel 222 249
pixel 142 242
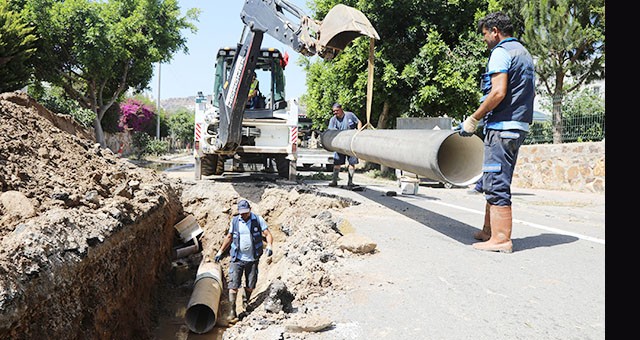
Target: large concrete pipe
pixel 441 155
pixel 202 310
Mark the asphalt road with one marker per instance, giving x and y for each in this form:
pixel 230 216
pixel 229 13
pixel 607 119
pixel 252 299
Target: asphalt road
pixel 427 282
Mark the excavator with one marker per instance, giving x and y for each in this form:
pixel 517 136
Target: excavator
pixel 230 129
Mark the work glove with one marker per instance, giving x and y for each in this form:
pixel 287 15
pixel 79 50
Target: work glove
pixel 218 256
pixel 269 251
pixel 468 127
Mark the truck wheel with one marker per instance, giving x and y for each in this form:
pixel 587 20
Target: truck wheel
pixel 282 164
pixel 212 165
pixel 306 166
pixel 328 167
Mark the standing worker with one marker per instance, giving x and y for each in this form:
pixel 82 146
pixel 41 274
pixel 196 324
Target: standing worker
pixel 245 237
pixel 508 88
pixel 343 120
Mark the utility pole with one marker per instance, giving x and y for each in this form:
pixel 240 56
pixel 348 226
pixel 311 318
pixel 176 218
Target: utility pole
pixel 158 106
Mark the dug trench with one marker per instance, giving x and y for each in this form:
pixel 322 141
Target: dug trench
pixel 88 241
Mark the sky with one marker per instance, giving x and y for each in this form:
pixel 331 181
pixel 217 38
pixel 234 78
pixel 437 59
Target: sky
pixel 219 25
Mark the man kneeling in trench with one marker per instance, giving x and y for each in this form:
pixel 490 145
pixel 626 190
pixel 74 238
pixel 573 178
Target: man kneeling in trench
pixel 245 236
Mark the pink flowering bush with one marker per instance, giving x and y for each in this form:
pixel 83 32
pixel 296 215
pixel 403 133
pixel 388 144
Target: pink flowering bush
pixel 135 116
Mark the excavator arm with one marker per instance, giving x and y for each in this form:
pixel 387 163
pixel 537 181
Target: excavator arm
pixel 308 37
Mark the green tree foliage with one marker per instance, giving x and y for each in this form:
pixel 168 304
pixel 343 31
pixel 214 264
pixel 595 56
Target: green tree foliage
pixel 17 45
pixel 97 50
pixel 410 77
pixel 566 38
pixel 181 125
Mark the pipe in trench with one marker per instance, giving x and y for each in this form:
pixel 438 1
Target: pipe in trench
pixel 441 155
pixel 202 309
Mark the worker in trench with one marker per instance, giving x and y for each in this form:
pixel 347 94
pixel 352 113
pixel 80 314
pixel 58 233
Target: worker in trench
pixel 245 236
pixel 343 120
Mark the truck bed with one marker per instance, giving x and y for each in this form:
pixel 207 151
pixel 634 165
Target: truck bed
pixel 308 157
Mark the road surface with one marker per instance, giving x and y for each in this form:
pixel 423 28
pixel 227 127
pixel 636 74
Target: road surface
pixel 427 282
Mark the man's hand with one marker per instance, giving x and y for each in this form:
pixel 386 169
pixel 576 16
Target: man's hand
pixel 218 256
pixel 468 127
pixel 269 251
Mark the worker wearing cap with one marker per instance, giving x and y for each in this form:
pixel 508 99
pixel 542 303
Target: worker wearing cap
pixel 245 237
pixel 343 120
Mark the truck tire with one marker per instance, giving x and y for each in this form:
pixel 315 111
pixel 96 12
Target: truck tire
pixel 212 165
pixel 282 164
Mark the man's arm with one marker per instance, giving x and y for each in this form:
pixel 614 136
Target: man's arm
pixel 493 99
pixel 225 244
pixel 267 234
pixel 332 125
pixel 495 96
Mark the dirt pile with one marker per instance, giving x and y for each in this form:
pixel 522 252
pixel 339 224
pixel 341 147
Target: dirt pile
pixel 86 239
pixel 74 219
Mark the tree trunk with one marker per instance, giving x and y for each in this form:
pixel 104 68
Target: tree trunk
pixel 382 124
pixel 97 126
pixel 557 117
pixel 384 116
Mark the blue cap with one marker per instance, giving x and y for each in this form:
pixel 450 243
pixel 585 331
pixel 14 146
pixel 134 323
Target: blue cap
pixel 336 105
pixel 243 207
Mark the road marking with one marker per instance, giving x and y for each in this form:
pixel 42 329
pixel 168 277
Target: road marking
pixel 531 224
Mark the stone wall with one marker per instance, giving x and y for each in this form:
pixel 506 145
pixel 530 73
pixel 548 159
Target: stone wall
pixel 570 166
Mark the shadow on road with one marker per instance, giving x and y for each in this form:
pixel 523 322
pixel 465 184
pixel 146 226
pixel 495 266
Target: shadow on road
pixel 453 228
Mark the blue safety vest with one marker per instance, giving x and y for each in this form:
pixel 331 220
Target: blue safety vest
pixel 517 105
pixel 256 237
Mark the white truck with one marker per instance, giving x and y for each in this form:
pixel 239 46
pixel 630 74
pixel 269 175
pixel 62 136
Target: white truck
pixel 229 134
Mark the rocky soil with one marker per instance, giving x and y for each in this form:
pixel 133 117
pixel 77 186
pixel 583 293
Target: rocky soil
pixel 86 239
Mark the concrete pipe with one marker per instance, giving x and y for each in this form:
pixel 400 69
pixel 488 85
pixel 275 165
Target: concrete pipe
pixel 441 155
pixel 202 309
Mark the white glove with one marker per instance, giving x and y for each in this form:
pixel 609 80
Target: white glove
pixel 470 125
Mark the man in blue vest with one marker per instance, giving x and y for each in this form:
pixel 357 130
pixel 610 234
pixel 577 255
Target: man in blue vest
pixel 508 88
pixel 245 237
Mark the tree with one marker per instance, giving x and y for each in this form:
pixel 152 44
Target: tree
pixel 97 50
pixel 566 38
pixel 181 125
pixel 17 45
pixel 427 62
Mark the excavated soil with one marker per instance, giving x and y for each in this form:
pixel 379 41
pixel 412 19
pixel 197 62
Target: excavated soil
pixel 86 240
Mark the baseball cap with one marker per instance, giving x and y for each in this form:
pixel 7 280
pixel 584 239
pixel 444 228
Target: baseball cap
pixel 336 106
pixel 243 207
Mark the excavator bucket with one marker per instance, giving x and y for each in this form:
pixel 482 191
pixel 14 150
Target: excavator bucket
pixel 341 25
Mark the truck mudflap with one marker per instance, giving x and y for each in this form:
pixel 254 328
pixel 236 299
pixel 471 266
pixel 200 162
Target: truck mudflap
pixel 343 24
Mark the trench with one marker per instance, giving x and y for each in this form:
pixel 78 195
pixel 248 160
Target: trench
pixel 177 289
pixel 125 282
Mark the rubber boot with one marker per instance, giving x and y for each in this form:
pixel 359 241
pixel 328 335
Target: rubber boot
pixel 501 225
pixel 245 299
pixel 350 171
pixel 485 233
pixel 336 172
pixel 232 306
